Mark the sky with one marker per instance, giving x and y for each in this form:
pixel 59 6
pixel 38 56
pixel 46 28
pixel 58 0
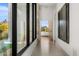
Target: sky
pixel 3 11
pixel 44 23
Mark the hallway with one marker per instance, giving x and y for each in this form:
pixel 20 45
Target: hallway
pixel 46 48
pixel 23 31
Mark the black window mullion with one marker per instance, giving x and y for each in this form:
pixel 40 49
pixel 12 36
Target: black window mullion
pixel 32 22
pixel 28 24
pixel 35 21
pixel 14 29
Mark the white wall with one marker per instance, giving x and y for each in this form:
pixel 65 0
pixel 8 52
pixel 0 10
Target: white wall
pixel 73 47
pixel 74 27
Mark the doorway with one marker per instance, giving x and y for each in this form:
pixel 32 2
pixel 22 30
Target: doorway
pixel 44 28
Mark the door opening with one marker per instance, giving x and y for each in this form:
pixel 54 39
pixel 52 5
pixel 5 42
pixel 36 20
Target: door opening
pixel 44 28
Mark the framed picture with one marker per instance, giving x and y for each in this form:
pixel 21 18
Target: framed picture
pixel 63 23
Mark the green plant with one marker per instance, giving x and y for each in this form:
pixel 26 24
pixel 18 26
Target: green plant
pixel 4 35
pixel 0 36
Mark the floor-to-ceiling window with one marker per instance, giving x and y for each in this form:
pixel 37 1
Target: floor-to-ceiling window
pixel 5 40
pixel 21 26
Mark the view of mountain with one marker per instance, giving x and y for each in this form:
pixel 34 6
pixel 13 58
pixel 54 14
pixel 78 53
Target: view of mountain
pixel 44 29
pixel 44 25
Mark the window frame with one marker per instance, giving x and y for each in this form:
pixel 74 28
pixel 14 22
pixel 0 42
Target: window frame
pixel 14 27
pixel 34 21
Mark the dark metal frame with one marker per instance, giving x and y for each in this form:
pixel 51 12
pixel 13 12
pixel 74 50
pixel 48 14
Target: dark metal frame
pixel 34 21
pixel 67 22
pixel 14 29
pixel 33 18
pixel 28 24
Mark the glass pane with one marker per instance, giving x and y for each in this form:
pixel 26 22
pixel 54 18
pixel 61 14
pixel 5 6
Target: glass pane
pixel 21 26
pixel 30 22
pixel 5 38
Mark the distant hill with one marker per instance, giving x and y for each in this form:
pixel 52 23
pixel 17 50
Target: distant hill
pixel 44 28
pixel 5 21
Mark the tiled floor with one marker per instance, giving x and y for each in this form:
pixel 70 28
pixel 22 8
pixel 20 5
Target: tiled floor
pixel 46 48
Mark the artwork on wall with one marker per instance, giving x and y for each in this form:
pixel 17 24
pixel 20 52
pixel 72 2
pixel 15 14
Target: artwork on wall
pixel 63 23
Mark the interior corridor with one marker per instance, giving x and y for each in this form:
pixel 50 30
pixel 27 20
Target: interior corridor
pixel 45 47
pixel 23 34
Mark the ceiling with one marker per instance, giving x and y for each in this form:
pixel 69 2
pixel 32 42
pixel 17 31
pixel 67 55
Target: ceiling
pixel 48 4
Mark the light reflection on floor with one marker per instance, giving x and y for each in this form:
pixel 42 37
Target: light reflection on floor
pixel 46 48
